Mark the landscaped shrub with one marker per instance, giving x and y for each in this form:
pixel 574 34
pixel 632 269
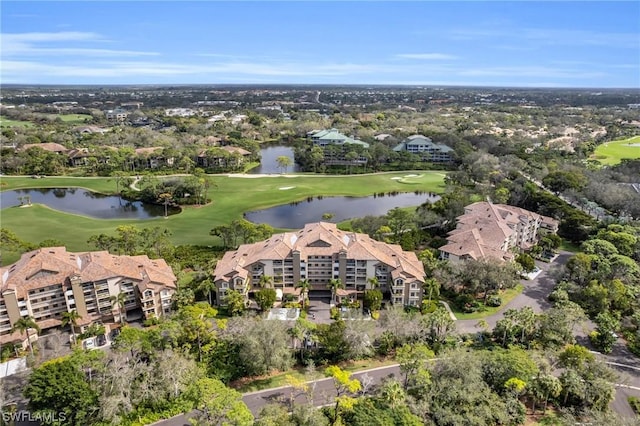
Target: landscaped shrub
pixel 428 306
pixel 558 295
pixel 494 301
pixel 461 300
pixel 334 313
pixel 634 402
pixel 471 307
pixel 151 321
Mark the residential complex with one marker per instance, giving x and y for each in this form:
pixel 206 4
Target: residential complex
pixel 494 231
pixel 337 147
pixel 323 138
pixel 46 282
pixel 424 146
pixel 319 253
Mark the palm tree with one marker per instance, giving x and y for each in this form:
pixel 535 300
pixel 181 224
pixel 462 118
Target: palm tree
pixel 304 287
pixel 207 286
pixel 71 318
pixel 266 281
pixel 431 286
pixel 119 301
pixel 374 282
pixel 23 325
pixel 334 285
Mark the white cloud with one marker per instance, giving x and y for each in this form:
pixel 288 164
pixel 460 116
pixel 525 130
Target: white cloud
pixel 426 56
pixel 19 45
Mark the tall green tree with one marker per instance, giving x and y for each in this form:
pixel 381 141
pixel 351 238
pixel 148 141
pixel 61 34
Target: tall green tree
pixel 265 298
pixel 334 285
pixel 23 325
pixel 283 163
pixel 219 405
pixel 61 393
pixel 304 287
pixel 71 318
pixel 118 302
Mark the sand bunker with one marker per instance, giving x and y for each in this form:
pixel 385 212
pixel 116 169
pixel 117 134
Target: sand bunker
pixel 396 178
pixel 284 188
pixel 410 176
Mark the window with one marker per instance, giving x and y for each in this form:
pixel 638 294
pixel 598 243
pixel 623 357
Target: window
pixel 224 285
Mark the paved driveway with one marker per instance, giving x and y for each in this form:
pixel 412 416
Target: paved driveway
pixel 535 294
pixel 319 310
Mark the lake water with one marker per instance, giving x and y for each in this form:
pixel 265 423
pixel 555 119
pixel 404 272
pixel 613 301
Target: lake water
pixel 270 154
pixel 296 215
pixel 86 203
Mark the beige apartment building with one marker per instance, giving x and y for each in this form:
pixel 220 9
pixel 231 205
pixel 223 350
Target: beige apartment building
pixel 494 232
pixel 46 282
pixel 319 253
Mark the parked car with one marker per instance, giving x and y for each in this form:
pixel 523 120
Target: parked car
pixel 114 333
pixel 101 340
pixel 89 344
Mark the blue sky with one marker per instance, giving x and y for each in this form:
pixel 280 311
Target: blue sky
pixel 529 44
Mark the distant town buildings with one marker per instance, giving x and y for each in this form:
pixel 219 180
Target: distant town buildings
pixel 488 231
pixel 319 253
pixel 46 282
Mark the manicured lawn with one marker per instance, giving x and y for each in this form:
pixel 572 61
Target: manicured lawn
pixel 5 122
pixel 569 246
pixel 279 379
pixel 507 296
pixel 232 196
pixel 74 118
pixel 612 153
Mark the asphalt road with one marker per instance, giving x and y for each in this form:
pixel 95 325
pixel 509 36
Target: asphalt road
pixel 321 392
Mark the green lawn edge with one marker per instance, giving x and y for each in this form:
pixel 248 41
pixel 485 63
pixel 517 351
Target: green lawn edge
pixel 231 197
pixel 612 153
pixel 507 296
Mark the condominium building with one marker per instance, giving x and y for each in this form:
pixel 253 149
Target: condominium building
pixel 46 282
pixel 319 253
pixel 422 145
pixel 323 138
pixel 494 232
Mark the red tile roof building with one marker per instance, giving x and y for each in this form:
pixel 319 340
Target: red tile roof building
pixel 318 253
pixel 46 282
pixel 494 231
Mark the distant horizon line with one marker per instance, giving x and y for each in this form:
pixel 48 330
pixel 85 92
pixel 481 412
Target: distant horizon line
pixel 363 85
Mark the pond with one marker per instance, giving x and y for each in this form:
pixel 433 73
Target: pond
pixel 296 215
pixel 86 203
pixel 269 164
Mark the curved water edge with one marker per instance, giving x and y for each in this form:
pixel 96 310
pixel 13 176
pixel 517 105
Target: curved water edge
pixel 296 214
pixel 268 162
pixel 86 203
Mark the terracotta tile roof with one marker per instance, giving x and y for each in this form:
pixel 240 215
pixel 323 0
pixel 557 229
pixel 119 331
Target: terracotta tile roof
pixel 47 146
pixel 149 150
pixel 488 230
pixel 318 239
pixel 54 265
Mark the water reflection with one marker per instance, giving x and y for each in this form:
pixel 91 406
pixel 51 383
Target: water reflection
pixel 84 202
pixel 297 214
pixel 269 163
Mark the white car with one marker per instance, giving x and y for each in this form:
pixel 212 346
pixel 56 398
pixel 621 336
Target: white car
pixel 89 344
